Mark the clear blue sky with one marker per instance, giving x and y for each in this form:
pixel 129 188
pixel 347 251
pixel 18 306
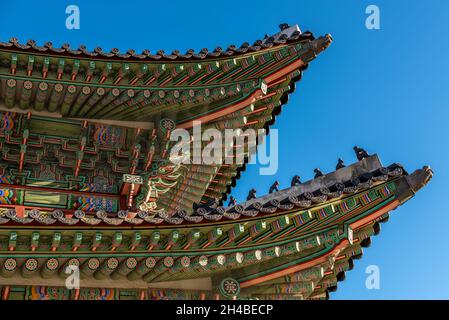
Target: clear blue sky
pixel 385 90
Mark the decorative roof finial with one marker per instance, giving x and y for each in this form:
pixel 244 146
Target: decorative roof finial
pixel 318 173
pixel 284 26
pixel 360 153
pixel 296 180
pixel 340 164
pixel 251 194
pixel 274 187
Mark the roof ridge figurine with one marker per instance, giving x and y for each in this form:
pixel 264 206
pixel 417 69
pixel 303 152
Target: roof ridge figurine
pixel 296 181
pixel 360 153
pixel 274 187
pixel 318 173
pixel 251 194
pixel 340 164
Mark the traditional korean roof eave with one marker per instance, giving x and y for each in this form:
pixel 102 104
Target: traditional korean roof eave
pixel 288 35
pixel 331 242
pixel 405 190
pixel 59 84
pixel 30 70
pixel 308 194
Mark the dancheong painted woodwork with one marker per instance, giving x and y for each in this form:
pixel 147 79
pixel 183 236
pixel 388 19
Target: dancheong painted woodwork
pixel 86 181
